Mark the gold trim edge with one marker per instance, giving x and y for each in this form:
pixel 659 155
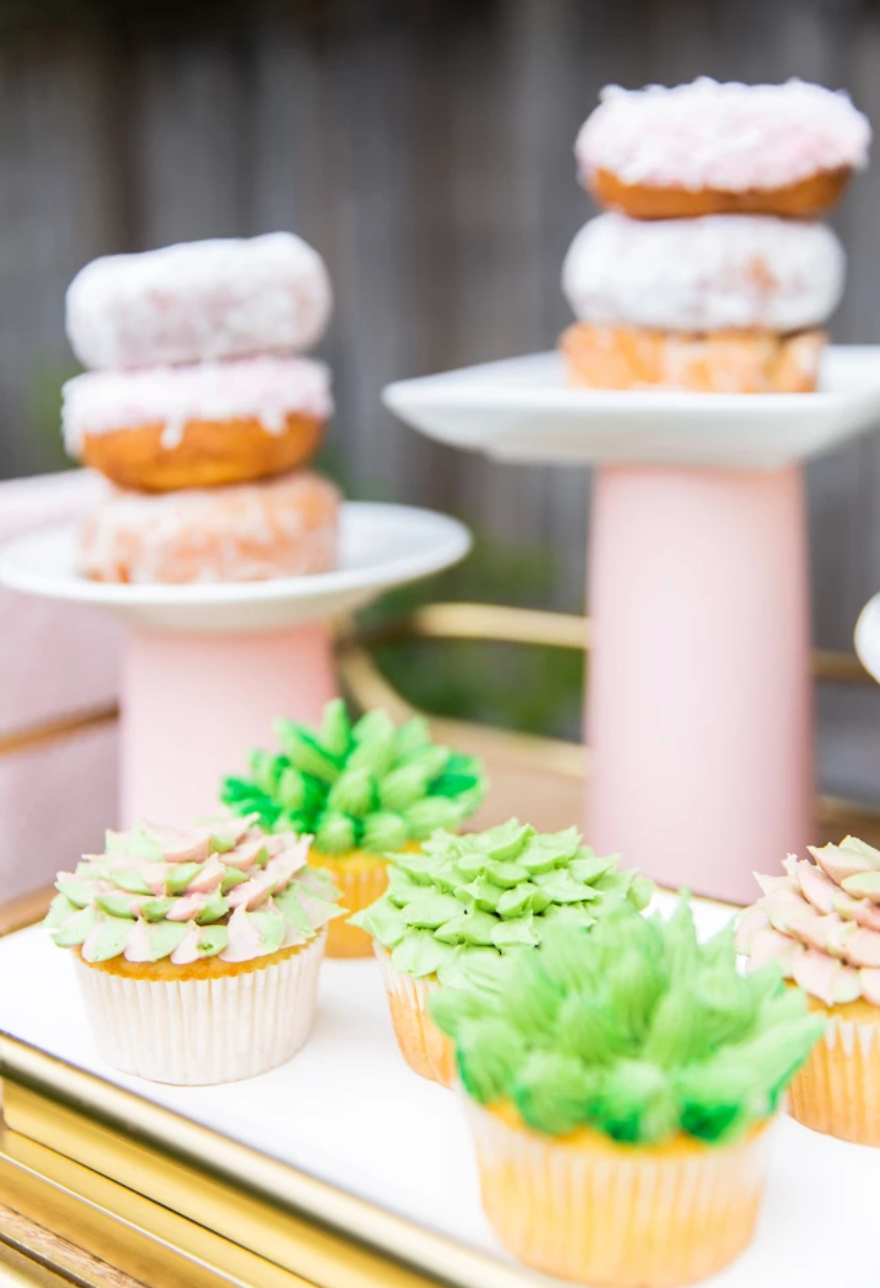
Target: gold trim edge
pixel 181 1140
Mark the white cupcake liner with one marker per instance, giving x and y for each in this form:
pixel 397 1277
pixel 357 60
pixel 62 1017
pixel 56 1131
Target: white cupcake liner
pixel 426 1049
pixel 838 1089
pixel 617 1215
pixel 201 1031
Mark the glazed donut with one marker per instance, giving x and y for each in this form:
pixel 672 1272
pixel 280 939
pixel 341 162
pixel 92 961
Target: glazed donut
pixel 286 527
pixel 741 362
pixel 199 301
pixel 706 148
pixel 199 426
pixel 716 273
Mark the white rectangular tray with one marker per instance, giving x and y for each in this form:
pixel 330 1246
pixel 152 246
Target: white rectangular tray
pixel 348 1111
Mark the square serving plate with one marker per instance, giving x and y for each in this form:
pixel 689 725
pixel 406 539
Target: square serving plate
pixel 522 409
pixel 345 1139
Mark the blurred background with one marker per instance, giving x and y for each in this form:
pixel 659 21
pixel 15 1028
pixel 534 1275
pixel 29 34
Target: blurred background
pixel 425 148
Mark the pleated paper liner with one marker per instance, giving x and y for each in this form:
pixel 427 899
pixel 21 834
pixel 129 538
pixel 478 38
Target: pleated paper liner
pixel 589 1209
pixel 838 1090
pixel 362 878
pixel 426 1050
pixel 194 1032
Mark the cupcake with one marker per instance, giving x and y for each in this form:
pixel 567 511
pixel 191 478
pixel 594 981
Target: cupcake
pixel 366 791
pixel 471 898
pixel 197 949
pixel 620 1085
pixel 821 923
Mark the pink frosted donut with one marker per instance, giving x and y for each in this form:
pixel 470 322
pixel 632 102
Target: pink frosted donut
pixel 199 426
pixel 708 148
pixel 285 527
pixel 199 301
pixel 717 273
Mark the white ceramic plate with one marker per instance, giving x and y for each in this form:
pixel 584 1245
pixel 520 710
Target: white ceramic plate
pixel 522 410
pixel 348 1110
pixel 867 637
pixel 381 546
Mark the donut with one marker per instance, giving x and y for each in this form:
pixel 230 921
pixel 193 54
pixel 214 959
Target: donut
pixel 199 301
pixel 715 273
pixel 707 148
pixel 284 527
pixel 742 362
pixel 201 426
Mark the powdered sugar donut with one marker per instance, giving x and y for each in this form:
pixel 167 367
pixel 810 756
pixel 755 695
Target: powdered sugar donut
pixel 249 532
pixel 199 301
pixel 199 426
pixel 706 148
pixel 739 362
pixel 717 273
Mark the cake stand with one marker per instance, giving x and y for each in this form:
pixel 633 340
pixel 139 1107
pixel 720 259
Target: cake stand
pixel 207 668
pixel 699 693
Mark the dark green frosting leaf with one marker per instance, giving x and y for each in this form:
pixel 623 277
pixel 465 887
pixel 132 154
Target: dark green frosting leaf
pixel 631 1027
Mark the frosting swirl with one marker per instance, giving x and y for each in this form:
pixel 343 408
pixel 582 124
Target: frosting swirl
pixel 481 895
pixel 635 1029
pixel 365 785
pixel 221 890
pixel 821 923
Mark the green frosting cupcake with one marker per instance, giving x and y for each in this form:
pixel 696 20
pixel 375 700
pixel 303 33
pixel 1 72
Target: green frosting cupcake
pixel 635 1030
pixel 482 895
pixel 362 786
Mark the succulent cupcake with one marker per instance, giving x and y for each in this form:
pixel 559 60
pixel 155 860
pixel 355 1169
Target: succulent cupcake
pixel 197 949
pixel 619 1086
pixel 821 923
pixel 475 897
pixel 366 791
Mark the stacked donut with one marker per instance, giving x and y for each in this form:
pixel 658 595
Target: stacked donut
pixel 707 270
pixel 201 410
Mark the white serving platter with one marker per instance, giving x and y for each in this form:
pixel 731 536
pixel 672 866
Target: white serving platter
pixel 381 546
pixel 523 410
pixel 348 1111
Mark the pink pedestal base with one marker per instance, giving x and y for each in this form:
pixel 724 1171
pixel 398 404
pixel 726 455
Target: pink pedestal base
pixel 194 705
pixel 700 702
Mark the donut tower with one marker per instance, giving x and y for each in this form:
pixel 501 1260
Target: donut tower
pixel 201 411
pixel 707 270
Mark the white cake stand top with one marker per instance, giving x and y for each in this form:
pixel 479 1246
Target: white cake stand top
pixel 522 410
pixel 381 546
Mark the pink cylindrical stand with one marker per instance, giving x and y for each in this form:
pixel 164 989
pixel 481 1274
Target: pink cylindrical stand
pixel 699 707
pixel 194 705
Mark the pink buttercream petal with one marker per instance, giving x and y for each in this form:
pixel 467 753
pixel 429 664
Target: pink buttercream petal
pixel 770 885
pixel 863 948
pixel 815 885
pixel 862 911
pixel 748 925
pixel 845 860
pixel 825 978
pixel 245 942
pixel 210 877
pixel 870 980
pixel 187 951
pixel 769 945
pixel 179 845
pixel 137 948
pixel 246 854
pixel 188 907
pixel 250 894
